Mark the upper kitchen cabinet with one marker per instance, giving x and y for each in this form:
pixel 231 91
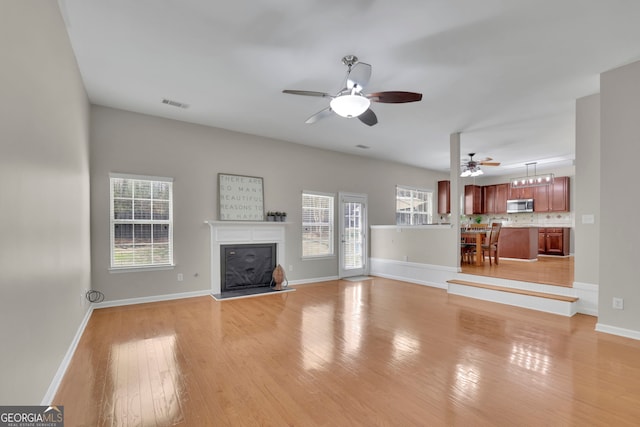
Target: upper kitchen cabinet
pixel 472 199
pixel 495 198
pixel 444 197
pixel 520 193
pixel 559 195
pixel 489 198
pixel 502 194
pixel 553 197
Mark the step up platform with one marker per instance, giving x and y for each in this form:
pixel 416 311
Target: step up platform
pixel 564 305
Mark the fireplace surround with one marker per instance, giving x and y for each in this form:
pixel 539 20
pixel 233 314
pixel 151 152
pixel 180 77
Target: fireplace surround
pixel 242 233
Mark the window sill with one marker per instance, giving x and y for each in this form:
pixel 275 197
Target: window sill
pixel 142 268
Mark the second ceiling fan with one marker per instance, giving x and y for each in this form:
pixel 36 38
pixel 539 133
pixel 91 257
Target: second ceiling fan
pixel 471 167
pixel 350 101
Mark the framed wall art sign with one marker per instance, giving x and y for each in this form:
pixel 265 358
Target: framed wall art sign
pixel 240 198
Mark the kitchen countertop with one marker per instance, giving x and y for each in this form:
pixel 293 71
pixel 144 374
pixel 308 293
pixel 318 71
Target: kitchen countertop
pixel 537 226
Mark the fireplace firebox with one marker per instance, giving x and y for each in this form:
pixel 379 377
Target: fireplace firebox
pixel 246 266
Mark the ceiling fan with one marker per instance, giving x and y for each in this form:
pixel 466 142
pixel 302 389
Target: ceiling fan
pixel 472 167
pixel 350 101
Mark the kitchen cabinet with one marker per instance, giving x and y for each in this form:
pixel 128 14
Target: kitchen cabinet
pixel 541 198
pixel 502 194
pixel 444 197
pixel 559 195
pixel 553 197
pixel 472 199
pixel 495 198
pixel 553 241
pixel 489 199
pixel 520 193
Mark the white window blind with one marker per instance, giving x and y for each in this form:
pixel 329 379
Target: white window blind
pixel 413 206
pixel 317 225
pixel 141 221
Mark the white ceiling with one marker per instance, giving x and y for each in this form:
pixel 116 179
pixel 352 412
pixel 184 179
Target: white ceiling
pixel 505 73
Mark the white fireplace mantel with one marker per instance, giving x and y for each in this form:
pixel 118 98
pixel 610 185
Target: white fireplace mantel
pixel 243 232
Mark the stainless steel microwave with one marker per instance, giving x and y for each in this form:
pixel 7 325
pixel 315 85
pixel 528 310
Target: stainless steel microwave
pixel 520 205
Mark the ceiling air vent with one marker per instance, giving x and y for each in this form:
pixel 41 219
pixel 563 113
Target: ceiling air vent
pixel 174 103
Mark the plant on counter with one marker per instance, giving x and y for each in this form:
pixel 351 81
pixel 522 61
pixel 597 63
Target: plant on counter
pixel 276 216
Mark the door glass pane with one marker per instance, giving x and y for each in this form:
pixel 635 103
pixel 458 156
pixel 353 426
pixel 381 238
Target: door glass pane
pixel 352 245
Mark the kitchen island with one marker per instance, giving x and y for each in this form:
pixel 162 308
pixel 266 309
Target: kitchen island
pixel 519 243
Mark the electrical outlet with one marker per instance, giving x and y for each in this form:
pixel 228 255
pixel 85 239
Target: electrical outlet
pixel 618 303
pixel 180 277
pixel 290 267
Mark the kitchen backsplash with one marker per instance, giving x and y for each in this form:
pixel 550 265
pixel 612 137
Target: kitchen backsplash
pixel 542 219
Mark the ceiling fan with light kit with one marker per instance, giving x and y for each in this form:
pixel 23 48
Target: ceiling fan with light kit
pixel 351 101
pixel 471 167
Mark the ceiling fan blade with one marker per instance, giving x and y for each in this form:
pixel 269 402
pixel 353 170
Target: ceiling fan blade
pixel 307 93
pixel 395 97
pixel 359 75
pixel 319 115
pixel 368 117
pixel 490 163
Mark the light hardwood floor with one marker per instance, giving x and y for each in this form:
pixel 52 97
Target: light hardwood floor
pixel 371 353
pixel 551 270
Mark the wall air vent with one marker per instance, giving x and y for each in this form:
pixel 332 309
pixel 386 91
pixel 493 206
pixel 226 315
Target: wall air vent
pixel 364 147
pixel 174 103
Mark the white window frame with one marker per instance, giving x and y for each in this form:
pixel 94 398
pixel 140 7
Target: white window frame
pixel 428 215
pixel 169 263
pixel 330 224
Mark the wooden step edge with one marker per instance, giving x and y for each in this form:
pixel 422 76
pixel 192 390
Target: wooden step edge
pixel 514 290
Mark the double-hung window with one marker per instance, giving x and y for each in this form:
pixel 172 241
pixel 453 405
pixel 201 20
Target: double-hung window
pixel 317 225
pixel 141 221
pixel 413 206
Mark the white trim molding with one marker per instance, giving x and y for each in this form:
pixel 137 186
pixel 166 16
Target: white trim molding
pixel 423 274
pixel 614 330
pixel 66 360
pixel 154 298
pixel 588 294
pixel 316 280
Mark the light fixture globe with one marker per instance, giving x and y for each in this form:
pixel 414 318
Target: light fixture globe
pixel 350 105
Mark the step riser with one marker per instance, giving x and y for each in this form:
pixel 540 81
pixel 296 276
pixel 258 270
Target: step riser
pixel 563 308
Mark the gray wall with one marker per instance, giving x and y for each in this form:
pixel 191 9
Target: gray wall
pixel 619 203
pixel 587 190
pixel 193 155
pixel 44 183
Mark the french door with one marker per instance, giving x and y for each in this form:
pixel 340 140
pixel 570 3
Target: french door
pixel 353 235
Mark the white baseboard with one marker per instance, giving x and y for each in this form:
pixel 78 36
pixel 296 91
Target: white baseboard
pixel 316 280
pixel 155 298
pixel 423 274
pixel 588 294
pixel 57 378
pixel 614 330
